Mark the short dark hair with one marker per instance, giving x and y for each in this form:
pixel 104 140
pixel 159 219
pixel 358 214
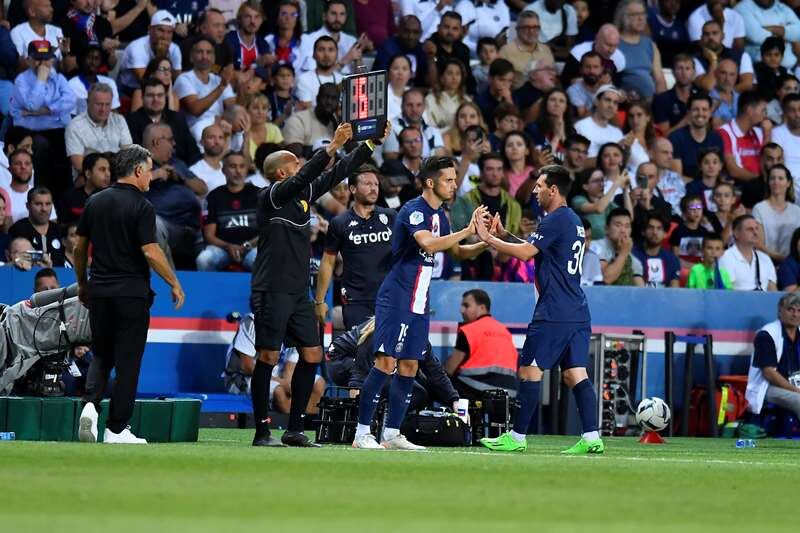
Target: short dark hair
pixel 576 138
pixel 231 154
pixel 655 215
pixel 45 272
pixel 204 39
pixel 329 3
pixel 749 99
pixel 432 167
pixel 789 98
pixel 324 38
pixel 618 212
pixel 698 97
pixel 499 67
pixel 558 176
pixel 741 219
pixel 480 296
pixel 91 160
pixel 773 43
pixel 37 191
pixel 590 54
pixel 489 156
pixel 18 152
pixel 714 236
pixel 783 78
pixel 486 41
pixel 363 169
pixel 152 81
pixel 684 203
pixel 770 146
pixel 455 15
pixel 682 58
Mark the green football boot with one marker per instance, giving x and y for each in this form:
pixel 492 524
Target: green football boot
pixel 584 447
pixel 505 443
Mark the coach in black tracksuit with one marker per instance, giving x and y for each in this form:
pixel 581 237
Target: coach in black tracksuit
pixel 280 283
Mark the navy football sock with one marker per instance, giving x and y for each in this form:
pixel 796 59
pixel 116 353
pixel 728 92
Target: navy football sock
pixel 587 405
pixel 259 392
pixel 528 397
pixel 303 378
pixel 399 398
pixel 370 395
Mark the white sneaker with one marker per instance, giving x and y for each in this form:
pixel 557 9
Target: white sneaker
pixel 87 428
pixel 400 442
pixel 123 437
pixel 367 442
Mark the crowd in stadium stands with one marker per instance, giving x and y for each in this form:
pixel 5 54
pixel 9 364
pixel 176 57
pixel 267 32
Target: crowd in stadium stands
pixel 679 121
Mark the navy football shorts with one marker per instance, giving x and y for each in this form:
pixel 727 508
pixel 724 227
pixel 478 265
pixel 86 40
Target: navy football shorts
pixel 400 333
pixel 548 344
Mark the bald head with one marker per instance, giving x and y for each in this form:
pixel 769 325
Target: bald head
pixel 153 131
pixel 280 165
pixel 661 153
pixel 607 40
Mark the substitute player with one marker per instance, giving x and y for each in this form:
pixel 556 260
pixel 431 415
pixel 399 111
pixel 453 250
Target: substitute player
pixel 280 284
pixel 561 326
pixel 401 309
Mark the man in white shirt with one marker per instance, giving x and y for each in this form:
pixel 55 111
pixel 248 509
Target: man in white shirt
pixel 333 20
pixel 413 109
pixel 138 53
pixel 597 127
pixel 203 94
pixel 325 72
pixel 429 13
pixel 209 169
pixel 787 135
pixel 749 269
pixel 731 21
pixel 552 16
pixel 671 186
pixel 40 13
pixel 482 19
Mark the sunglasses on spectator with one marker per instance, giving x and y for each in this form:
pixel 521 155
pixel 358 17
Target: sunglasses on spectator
pixel 695 206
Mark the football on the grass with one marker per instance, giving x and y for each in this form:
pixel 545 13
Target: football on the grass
pixel 652 414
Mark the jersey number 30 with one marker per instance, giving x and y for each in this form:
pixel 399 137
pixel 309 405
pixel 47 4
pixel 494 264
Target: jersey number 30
pixel 575 266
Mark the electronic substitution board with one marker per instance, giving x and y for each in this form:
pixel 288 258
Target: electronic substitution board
pixel 364 105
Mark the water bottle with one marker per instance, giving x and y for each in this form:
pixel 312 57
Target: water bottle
pixel 745 443
pixel 8 435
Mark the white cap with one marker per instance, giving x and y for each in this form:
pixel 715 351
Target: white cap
pixel 605 89
pixel 162 17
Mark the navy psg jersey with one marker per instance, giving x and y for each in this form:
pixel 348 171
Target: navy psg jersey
pixel 408 282
pixel 560 239
pixel 366 248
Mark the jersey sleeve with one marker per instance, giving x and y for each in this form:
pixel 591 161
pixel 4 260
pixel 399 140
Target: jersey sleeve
pixel 413 220
pixel 545 235
pixel 244 340
pixel 333 241
pixel 146 229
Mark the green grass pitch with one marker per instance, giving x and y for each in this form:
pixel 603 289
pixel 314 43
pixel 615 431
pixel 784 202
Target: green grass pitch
pixel 221 484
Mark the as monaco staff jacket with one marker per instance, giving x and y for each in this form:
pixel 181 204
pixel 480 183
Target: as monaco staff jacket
pixel 284 250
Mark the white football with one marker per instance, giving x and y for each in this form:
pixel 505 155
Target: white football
pixel 652 414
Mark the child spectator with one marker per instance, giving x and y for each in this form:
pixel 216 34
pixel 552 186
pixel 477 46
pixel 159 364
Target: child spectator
pixel 708 274
pixel 787 84
pixel 281 98
pixel 687 239
pixel 661 267
pixel 585 30
pixel 769 70
pixel 506 119
pixel 487 52
pixel 710 168
pixel 721 220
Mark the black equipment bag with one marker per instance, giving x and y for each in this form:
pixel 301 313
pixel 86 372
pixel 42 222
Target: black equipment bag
pixel 436 428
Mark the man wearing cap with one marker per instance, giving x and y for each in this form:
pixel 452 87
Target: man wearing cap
pixel 42 103
pixel 139 52
pixel 597 127
pixel 38 27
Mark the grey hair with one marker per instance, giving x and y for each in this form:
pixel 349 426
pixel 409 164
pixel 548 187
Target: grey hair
pixel 100 88
pixel 528 14
pixel 790 299
pixel 150 132
pixel 128 159
pixel 620 13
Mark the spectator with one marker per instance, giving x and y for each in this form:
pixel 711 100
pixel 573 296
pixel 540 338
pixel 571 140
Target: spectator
pixel 586 31
pixel 96 171
pixel 769 70
pixel 517 160
pixel 542 77
pixel 482 19
pixel 375 18
pixel 787 84
pixel 158 43
pixel 598 127
pixel 722 219
pixel 174 193
pixel 211 24
pixel 690 141
pixel 349 48
pixel 559 26
pixel 98 129
pixel 686 239
pixel 501 77
pixel 229 230
pixel 661 267
pixel 325 71
pixel 467 115
pixel 160 69
pixel 787 135
pixel 671 185
pixel 718 10
pixel 620 267
pixel 154 110
pixel 398 76
pixel 591 272
pixel 406 42
pixel 446 44
pixel 488 51
pixel 707 274
pixel 712 52
pixel 403 171
pixel 593 203
pixel 606 44
pixel 302 128
pixel 282 99
pixel 37 227
pixel 611 160
pixel 41 103
pixel 83 28
pixel 669 107
pixel 777 214
pixel 526 47
pixel 287 40
pixel 582 90
pixel 765 18
pixel 554 124
pixel 775 359
pixel 750 269
pixel 668 30
pixel 129 20
pixel 789 269
pixel 506 120
pixel 261 129
pixel 362 236
pixel 442 103
pixel 9 63
pixel 484 356
pixel 412 116
pixel 249 50
pixel 724 94
pixel 21 168
pixel 210 168
pixel 89 62
pixel 744 136
pixel 646 198
pixel 709 175
pixel 576 150
pixel 38 28
pixel 19 255
pixel 639 135
pixel 477 143
pixel 643 75
pixel 45 280
pixel 203 94
pixel 753 191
